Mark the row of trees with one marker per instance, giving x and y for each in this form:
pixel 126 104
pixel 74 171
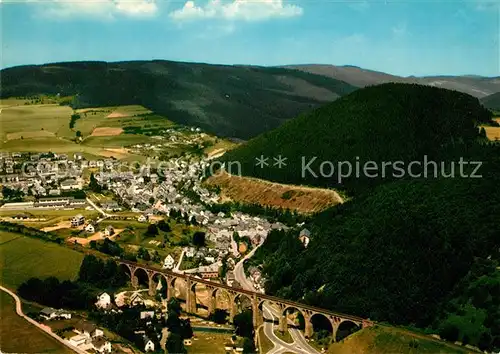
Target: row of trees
pixel 73 119
pixel 100 273
pixel 54 293
pixel 285 216
pixel 94 276
pixel 29 231
pixel 12 194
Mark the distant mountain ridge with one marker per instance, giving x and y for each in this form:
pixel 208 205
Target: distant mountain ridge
pixel 232 101
pixel 476 86
pixel 236 101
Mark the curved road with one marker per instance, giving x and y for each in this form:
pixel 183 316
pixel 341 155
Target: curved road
pixel 300 344
pixel 19 311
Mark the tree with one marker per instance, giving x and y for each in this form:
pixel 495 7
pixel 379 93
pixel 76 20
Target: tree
pixel 174 306
pixel 73 119
pixel 90 270
pixel 186 331
pixel 175 344
pixel 94 185
pixel 243 322
pixel 78 134
pixel 199 239
pixel 143 254
pixel 248 346
pixel 223 268
pixel 152 230
pixel 163 226
pixel 219 316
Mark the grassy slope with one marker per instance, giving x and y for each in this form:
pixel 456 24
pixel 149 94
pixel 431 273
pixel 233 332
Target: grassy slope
pixel 23 257
pixel 212 343
pixel 382 340
pixel 19 336
pixel 250 190
pixel 233 101
pixel 34 119
pixel 45 127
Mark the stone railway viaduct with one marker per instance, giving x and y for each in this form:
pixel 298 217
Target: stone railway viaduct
pixel 236 295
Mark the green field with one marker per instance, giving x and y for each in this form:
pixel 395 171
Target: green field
pixel 213 343
pixel 45 127
pixel 381 340
pixel 22 258
pixel 91 118
pixel 33 118
pixel 19 336
pixel 115 141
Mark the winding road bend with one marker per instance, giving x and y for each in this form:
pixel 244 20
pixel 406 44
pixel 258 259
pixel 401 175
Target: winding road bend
pixel 299 344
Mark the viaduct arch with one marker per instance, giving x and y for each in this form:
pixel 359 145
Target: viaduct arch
pixel 235 295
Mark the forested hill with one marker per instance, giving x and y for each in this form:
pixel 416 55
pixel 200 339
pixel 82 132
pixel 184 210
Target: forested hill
pixel 232 101
pixel 410 251
pixel 492 101
pixel 422 252
pixel 389 122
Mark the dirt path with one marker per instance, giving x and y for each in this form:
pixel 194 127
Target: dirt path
pixel 19 311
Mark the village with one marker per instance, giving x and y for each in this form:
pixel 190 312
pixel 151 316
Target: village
pixel 151 195
pixel 145 203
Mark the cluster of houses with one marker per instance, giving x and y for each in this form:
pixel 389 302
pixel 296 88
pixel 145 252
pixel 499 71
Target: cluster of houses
pixel 41 174
pixel 85 335
pixel 89 337
pixel 90 226
pixel 256 276
pixel 147 315
pixel 151 194
pixel 168 137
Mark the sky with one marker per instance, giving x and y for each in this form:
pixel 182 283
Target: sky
pixel 410 37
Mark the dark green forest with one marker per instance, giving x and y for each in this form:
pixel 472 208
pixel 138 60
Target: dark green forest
pixel 390 122
pixel 492 101
pixel 233 101
pixel 417 252
pixel 409 253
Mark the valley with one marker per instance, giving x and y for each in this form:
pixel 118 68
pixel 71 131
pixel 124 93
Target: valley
pixel 133 201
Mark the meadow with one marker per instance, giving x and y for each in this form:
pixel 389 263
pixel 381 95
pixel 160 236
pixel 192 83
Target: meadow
pixel 33 120
pixel 213 343
pixel 45 127
pixel 14 331
pixel 23 258
pixel 381 340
